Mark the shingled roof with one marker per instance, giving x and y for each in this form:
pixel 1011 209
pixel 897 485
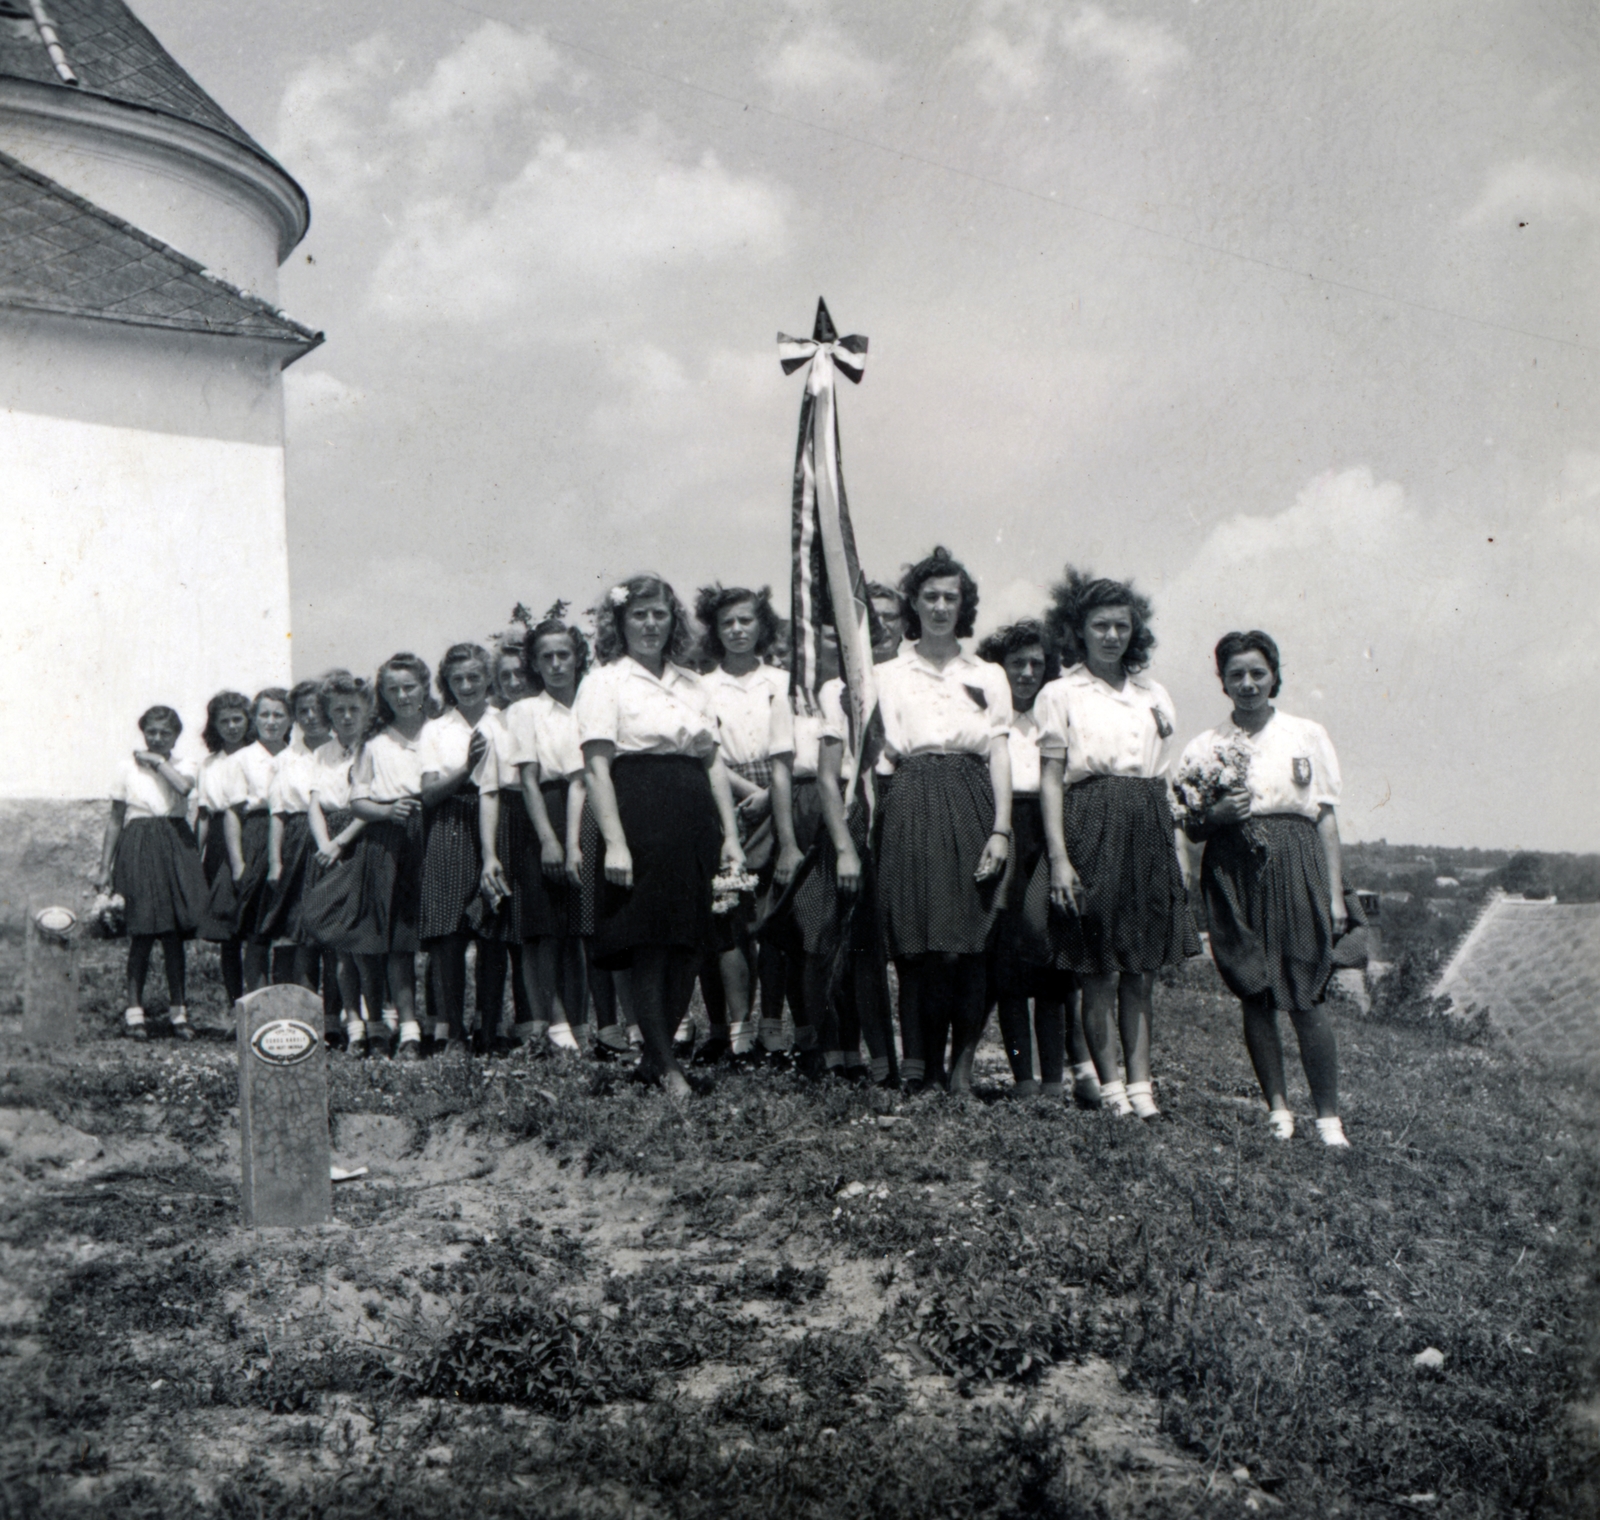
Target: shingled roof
pixel 61 254
pixel 111 53
pixel 1535 968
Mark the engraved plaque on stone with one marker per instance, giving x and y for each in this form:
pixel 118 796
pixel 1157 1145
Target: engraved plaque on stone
pixel 50 977
pixel 283 1108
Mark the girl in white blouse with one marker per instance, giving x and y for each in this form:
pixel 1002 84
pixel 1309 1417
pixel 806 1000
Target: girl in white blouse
pixel 454 746
pixel 945 831
pixel 739 629
pixel 229 732
pixel 149 858
pixel 368 905
pixel 289 842
pixel 1027 653
pixel 530 804
pixel 1273 877
pixel 663 804
pixel 347 703
pixel 1114 877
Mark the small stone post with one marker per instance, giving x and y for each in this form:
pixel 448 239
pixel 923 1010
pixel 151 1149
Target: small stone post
pixel 283 1109
pixel 50 977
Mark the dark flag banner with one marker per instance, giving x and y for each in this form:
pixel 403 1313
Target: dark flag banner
pixel 828 586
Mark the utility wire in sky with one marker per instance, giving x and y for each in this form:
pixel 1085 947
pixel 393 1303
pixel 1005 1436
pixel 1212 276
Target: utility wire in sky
pixel 1043 197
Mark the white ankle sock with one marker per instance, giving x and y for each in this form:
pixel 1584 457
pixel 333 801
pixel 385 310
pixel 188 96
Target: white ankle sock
pixel 133 1017
pixel 441 1031
pixel 1331 1132
pixel 1140 1095
pixel 1084 1075
pixel 1282 1122
pixel 410 1029
pixel 355 1029
pixel 1114 1095
pixel 561 1038
pixel 178 1014
pixel 742 1036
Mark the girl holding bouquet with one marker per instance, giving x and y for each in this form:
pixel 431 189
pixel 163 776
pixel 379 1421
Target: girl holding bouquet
pixel 1260 791
pixel 1111 870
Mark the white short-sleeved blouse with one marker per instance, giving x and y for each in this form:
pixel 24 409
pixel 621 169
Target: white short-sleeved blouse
pixel 1022 739
pixel 148 794
pixel 211 782
pixel 743 706
pixel 330 775
pixel 959 709
pixel 1101 731
pixel 290 791
pixel 1293 767
pixel 388 768
pixel 799 736
pixel 642 714
pixel 242 779
pixel 446 739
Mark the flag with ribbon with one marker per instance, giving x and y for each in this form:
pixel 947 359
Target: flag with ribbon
pixel 828 586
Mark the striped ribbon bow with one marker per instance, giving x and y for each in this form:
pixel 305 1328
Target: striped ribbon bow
pixel 828 586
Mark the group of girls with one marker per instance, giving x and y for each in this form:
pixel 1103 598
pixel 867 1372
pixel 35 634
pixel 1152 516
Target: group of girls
pixel 609 835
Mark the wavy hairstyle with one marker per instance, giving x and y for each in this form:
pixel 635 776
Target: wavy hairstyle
pixel 406 661
pixel 1263 644
pixel 300 691
pixel 341 683
pixel 1080 592
pixel 228 701
pixel 1022 634
pixel 610 644
pixel 547 628
pixel 455 657
pixel 712 601
pixel 934 566
pixel 272 694
pixel 161 714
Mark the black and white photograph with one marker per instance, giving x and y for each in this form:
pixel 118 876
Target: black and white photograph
pixel 797 760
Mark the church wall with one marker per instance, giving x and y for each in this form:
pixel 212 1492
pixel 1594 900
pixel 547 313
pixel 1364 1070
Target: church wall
pixel 144 541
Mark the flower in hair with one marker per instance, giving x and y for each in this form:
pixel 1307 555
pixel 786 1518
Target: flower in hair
pixel 619 596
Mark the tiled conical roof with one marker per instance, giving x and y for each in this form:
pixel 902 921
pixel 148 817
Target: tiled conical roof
pixel 112 54
pixel 63 255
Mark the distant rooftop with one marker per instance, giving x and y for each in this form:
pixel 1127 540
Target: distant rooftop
pixel 111 53
pixel 62 255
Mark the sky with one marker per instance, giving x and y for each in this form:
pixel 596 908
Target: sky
pixel 1291 315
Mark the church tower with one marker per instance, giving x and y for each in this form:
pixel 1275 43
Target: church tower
pixel 142 528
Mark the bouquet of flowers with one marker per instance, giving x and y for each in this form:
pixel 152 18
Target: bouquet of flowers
pixel 107 915
pixel 727 889
pixel 1201 784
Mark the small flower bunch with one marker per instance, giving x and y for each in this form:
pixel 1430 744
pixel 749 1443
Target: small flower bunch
pixel 107 914
pixel 1201 784
pixel 618 596
pixel 728 887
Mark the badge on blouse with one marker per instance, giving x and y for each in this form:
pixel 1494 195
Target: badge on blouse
pixel 1163 727
pixel 979 696
pixel 1302 770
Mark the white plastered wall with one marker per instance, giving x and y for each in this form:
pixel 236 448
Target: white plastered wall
pixel 143 547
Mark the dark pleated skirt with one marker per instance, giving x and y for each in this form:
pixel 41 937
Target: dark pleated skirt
pixel 234 907
pixel 819 917
pixel 158 875
pixel 538 908
pixel 370 902
pixel 1019 958
pixel 452 867
pixel 675 838
pixel 280 907
pixel 1267 899
pixel 337 821
pixel 935 821
pixel 1135 915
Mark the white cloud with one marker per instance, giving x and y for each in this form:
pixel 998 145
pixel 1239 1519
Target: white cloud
pixel 823 62
pixel 486 206
pixel 1014 48
pixel 313 396
pixel 1528 189
pixel 1380 606
pixel 573 223
pixel 1142 52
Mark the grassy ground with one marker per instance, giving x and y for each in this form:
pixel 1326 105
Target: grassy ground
pixel 558 1295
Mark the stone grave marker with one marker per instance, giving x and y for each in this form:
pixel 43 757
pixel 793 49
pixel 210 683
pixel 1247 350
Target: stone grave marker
pixel 283 1109
pixel 50 977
